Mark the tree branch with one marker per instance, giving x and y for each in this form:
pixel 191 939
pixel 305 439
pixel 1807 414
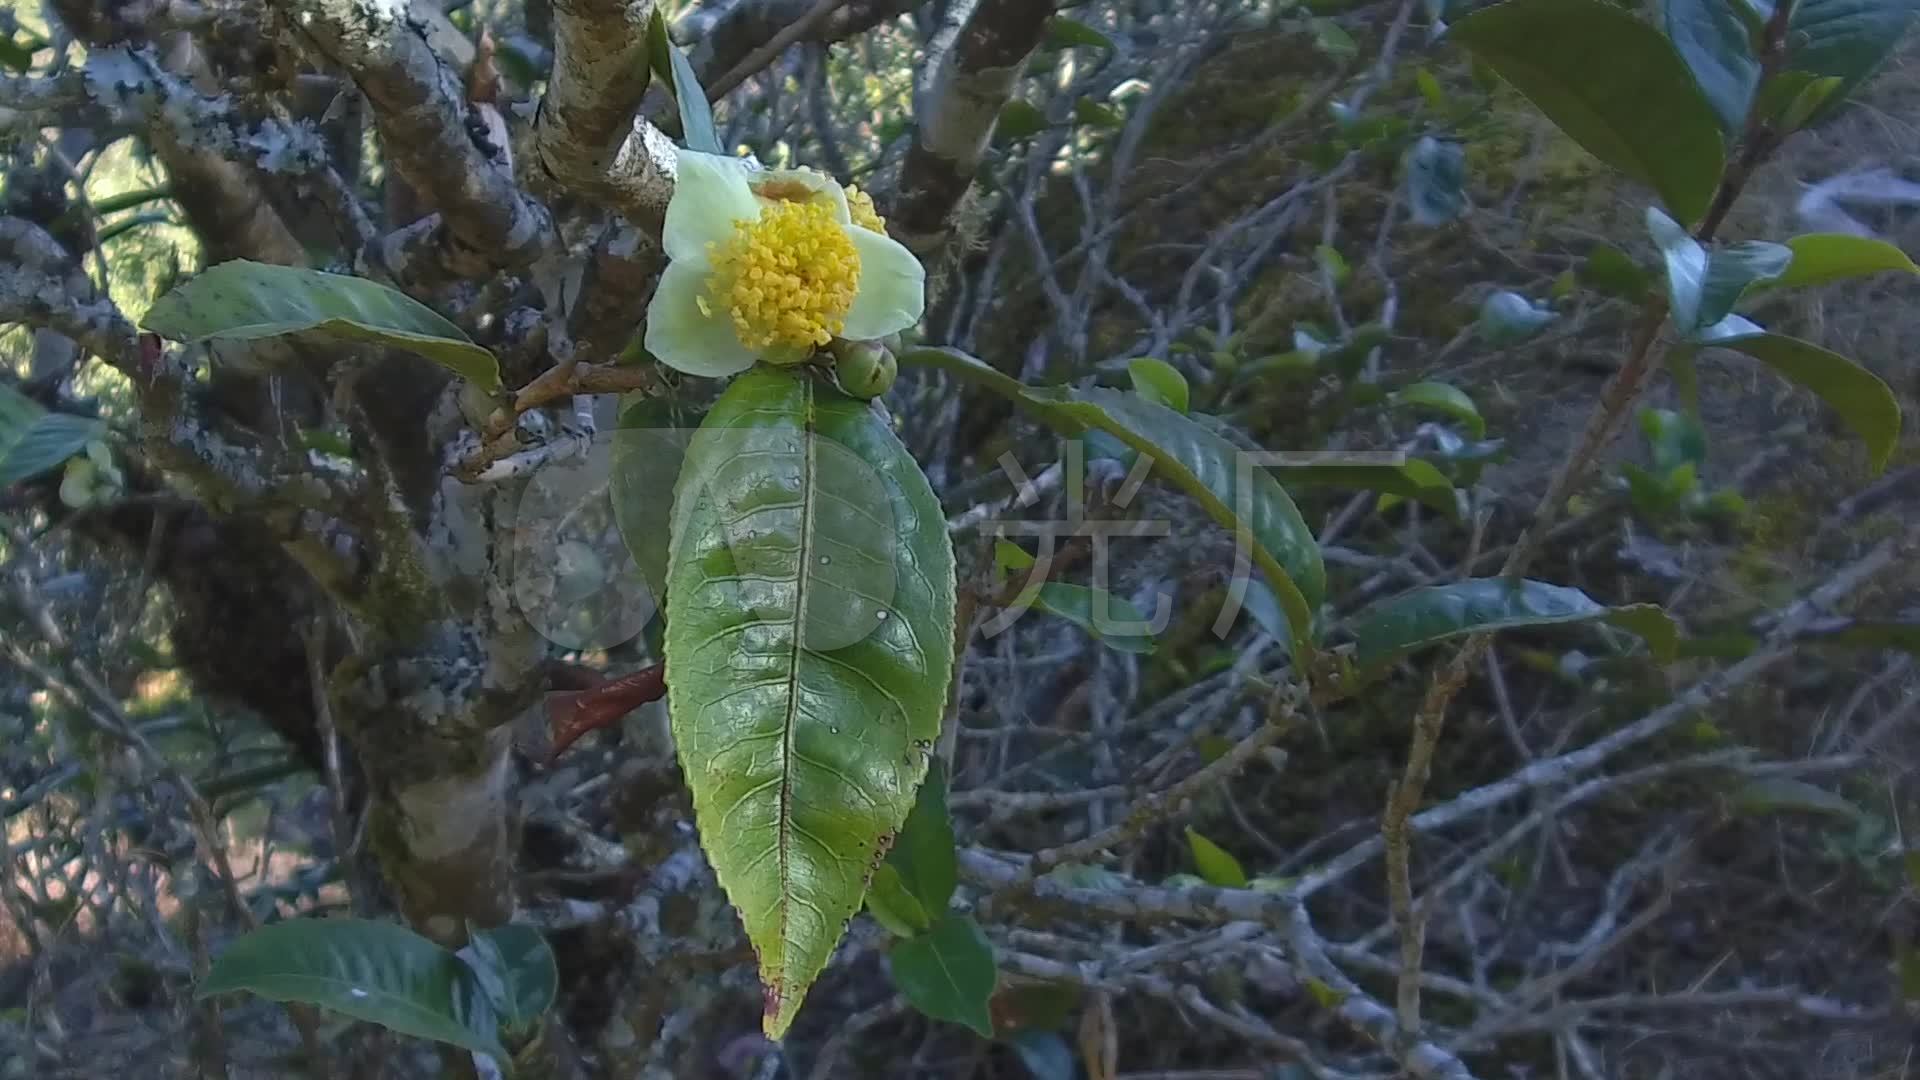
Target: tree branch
pixel 587 136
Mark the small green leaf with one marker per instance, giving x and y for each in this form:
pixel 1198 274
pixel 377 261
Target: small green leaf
pixel 1873 634
pixel 1094 114
pixel 1731 270
pixel 923 852
pixel 1330 38
pixel 515 958
pixel 1717 47
pixel 1412 478
pixel 1864 402
pixel 1019 120
pixel 1065 33
pixel 1507 318
pixel 1443 398
pixel 1430 89
pixel 1436 180
pixel 373 971
pixel 247 301
pixel 892 906
pixel 669 63
pixel 1612 271
pixel 1112 620
pixel 34 441
pixel 947 973
pixel 1216 866
pixel 1008 555
pixel 1428 615
pixel 1819 258
pixel 1686 263
pixel 1195 460
pixel 1159 382
pixel 1332 264
pixel 1846 39
pixel 1794 98
pixel 1324 995
pixel 1613 84
pixel 1777 793
pixel 1675 438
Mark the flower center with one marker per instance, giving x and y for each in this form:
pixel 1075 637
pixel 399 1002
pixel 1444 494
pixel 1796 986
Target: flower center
pixel 787 278
pixel 860 207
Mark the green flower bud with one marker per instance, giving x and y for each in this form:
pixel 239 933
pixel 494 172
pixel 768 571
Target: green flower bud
pixel 863 369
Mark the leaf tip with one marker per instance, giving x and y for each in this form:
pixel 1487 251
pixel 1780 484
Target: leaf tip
pixel 777 1008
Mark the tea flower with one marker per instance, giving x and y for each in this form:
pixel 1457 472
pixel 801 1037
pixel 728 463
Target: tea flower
pixel 773 265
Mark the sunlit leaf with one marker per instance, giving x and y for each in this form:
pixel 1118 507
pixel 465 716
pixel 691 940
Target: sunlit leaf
pixel 1159 381
pixel 669 63
pixel 810 599
pixel 247 301
pixel 1216 865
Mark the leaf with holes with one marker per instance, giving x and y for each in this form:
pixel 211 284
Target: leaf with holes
pixel 810 597
pixel 247 301
pixel 1613 84
pixel 373 971
pixel 947 973
pixel 1429 615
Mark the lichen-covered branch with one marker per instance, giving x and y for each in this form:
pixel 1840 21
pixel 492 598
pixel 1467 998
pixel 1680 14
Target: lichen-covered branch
pixel 430 136
pixel 587 136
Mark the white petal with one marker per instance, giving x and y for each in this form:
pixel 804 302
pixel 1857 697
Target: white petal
pixel 684 337
pixel 893 287
pixel 820 185
pixel 710 193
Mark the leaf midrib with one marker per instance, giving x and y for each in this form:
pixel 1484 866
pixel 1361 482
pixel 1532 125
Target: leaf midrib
pixel 784 836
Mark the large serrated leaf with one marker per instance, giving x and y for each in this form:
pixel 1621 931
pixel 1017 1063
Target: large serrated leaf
pixel 810 597
pixel 1613 84
pixel 1426 616
pixel 247 301
pixel 34 441
pixel 372 971
pixel 1240 497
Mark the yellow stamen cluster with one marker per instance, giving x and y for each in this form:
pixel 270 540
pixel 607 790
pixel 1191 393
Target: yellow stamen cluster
pixel 787 278
pixel 860 208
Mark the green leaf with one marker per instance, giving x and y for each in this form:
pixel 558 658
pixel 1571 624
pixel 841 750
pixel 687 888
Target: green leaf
pixel 1428 615
pixel 1846 39
pixel 893 906
pixel 1330 38
pixel 1675 438
pixel 1094 114
pixel 947 973
pixel 35 441
pixel 17 56
pixel 1065 33
pixel 1195 460
pixel 1216 866
pixel 1119 625
pixel 1020 120
pixel 247 301
pixel 1045 1055
pixel 1717 47
pixel 648 448
pixel 1612 271
pixel 1686 263
pixel 1864 402
pixel 1732 269
pixel 515 959
pixel 810 596
pixel 1820 258
pixel 923 854
pixel 1613 84
pixel 1873 634
pixel 1777 793
pixel 1443 398
pixel 1008 555
pixel 669 63
pixel 1411 479
pixel 1430 89
pixel 1159 382
pixel 1507 318
pixel 373 971
pixel 1332 263
pixel 1436 180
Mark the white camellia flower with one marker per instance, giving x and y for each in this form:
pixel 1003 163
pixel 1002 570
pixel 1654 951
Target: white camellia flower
pixel 772 265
